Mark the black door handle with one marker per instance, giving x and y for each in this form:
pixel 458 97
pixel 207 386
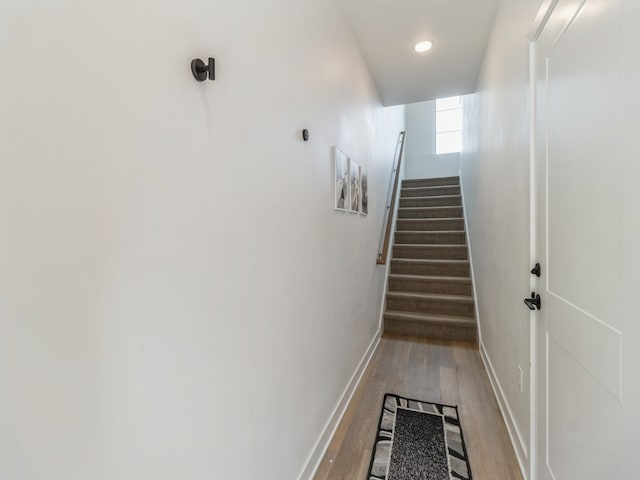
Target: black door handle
pixel 533 302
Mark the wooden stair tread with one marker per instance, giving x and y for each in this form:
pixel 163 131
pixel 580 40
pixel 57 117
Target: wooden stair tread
pixel 431 219
pixel 431 201
pixel 430 266
pixel 432 197
pixel 442 319
pixel 451 177
pixel 432 296
pixel 430 231
pixel 440 278
pixel 432 187
pixel 428 261
pixel 432 208
pixel 430 245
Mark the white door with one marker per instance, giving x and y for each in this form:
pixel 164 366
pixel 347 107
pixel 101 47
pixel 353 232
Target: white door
pixel 579 236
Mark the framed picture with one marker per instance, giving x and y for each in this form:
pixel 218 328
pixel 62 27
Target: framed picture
pixel 354 186
pixel 364 192
pixel 340 179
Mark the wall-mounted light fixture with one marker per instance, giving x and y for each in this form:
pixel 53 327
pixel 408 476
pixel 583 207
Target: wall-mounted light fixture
pixel 202 70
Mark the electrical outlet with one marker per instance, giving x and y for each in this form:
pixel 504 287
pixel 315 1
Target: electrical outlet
pixel 520 385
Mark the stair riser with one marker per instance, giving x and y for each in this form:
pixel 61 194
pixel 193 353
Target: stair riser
pixel 430 306
pixel 431 182
pixel 429 191
pixel 430 202
pixel 430 225
pixel 430 286
pixel 449 270
pixel 429 330
pixel 455 212
pixel 431 238
pixel 429 253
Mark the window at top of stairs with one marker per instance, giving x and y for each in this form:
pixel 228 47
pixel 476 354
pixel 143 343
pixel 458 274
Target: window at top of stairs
pixel 448 125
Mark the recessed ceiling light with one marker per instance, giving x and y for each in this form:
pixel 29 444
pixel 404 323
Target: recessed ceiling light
pixel 423 47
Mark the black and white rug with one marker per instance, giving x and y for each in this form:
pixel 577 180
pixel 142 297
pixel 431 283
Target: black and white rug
pixel 418 441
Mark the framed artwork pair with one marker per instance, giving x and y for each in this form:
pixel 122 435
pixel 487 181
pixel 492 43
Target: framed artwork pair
pixel 351 192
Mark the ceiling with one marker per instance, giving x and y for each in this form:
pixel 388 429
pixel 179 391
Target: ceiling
pixel 387 31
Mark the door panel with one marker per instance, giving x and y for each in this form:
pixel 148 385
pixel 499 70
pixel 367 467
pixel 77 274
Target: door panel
pixel 593 344
pixel 580 431
pixel 584 89
pixel 579 238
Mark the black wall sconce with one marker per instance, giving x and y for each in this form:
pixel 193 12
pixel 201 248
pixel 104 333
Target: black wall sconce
pixel 202 70
pixel 305 135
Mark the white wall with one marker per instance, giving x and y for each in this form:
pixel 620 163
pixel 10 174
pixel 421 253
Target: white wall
pixel 495 179
pixel 630 253
pixel 177 297
pixel 420 150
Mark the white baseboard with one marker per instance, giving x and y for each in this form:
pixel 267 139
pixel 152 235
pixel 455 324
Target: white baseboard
pixel 518 443
pixel 315 457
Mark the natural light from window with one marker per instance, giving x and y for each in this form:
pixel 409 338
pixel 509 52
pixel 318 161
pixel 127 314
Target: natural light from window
pixel 448 125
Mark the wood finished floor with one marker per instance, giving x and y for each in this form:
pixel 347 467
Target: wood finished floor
pixel 444 372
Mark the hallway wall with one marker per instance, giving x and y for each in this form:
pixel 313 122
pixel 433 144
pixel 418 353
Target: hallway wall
pixel 495 180
pixel 420 150
pixel 178 298
pixel 630 38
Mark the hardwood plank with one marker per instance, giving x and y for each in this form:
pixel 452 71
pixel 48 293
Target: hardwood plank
pixel 449 372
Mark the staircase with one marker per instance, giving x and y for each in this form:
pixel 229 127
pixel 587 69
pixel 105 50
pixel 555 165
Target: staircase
pixel 430 291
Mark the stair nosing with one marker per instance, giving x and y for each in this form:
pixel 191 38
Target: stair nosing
pixel 430 231
pixel 442 278
pixel 428 220
pixel 430 178
pixel 440 318
pixel 412 187
pixel 437 196
pixel 416 185
pixel 430 186
pixel 431 219
pixel 466 299
pixel 431 208
pixel 437 200
pixel 428 260
pixel 430 245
